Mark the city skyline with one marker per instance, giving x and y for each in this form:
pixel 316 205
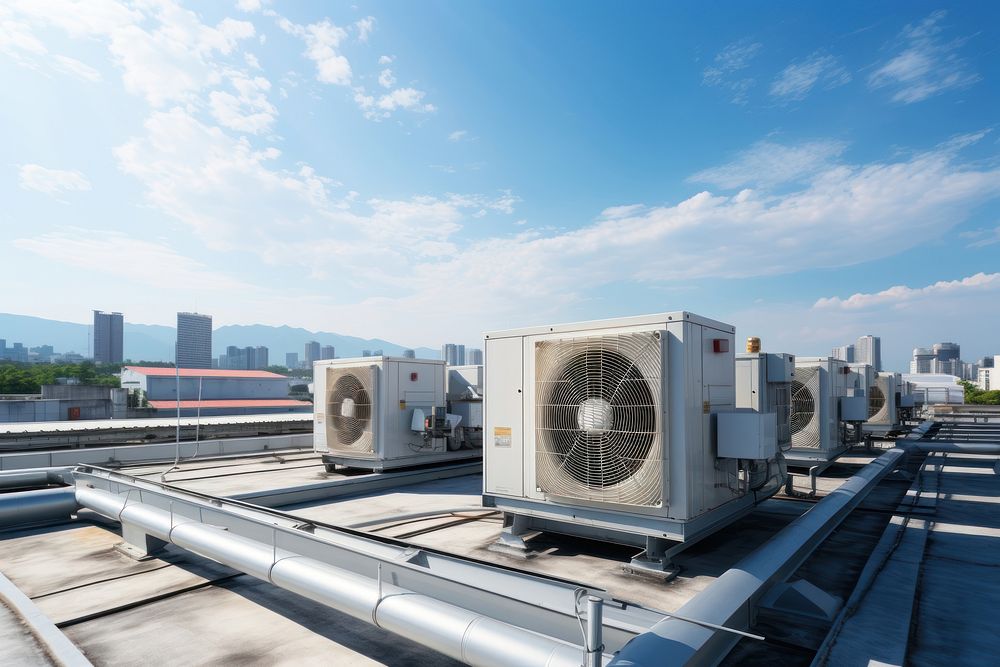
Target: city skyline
pixel 804 173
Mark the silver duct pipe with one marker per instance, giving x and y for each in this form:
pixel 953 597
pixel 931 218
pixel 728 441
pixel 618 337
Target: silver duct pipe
pixel 729 601
pixel 26 507
pixel 27 477
pixel 451 630
pixel 971 447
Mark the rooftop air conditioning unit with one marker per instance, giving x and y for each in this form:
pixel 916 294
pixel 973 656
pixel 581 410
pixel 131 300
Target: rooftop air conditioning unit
pixel 819 385
pixel 883 404
pixel 605 430
pixel 465 399
pixel 379 413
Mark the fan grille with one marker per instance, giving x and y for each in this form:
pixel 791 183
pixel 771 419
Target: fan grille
pixel 805 426
pixel 349 409
pixel 876 401
pixel 597 418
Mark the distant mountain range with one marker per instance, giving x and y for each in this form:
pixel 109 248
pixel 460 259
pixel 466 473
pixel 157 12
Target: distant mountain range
pixel 153 342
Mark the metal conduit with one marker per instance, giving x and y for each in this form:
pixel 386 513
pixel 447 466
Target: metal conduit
pixel 456 632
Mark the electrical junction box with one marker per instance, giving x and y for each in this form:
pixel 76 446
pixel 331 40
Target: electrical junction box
pixel 747 434
pixel 780 367
pixel 853 408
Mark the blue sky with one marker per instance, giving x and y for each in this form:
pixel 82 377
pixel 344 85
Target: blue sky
pixel 426 171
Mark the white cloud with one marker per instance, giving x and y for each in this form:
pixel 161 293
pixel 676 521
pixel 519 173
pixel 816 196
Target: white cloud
pixel 458 135
pixel 91 249
pixel 51 181
pixel 323 40
pixel 404 98
pixel 901 294
pixel 249 6
pixel 364 28
pixel 724 72
pixel 925 64
pixel 767 164
pixel 247 111
pixel 165 52
pixel 385 60
pixel 796 80
pixel 980 238
pixel 386 79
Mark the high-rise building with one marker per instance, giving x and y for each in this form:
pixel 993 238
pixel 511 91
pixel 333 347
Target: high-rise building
pixel 377 353
pixel 986 362
pixel 453 355
pixel 923 360
pixel 409 354
pixel 366 353
pixel 108 334
pixel 844 353
pixel 948 358
pixel 194 340
pixel 474 356
pixel 868 350
pixel 312 353
pixel 260 355
pixel 328 352
pixel 291 359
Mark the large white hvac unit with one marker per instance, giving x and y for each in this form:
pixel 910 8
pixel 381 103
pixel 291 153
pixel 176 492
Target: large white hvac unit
pixel 820 402
pixel 883 404
pixel 605 429
pixel 373 413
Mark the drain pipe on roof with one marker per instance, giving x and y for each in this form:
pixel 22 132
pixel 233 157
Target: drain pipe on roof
pixel 730 600
pixel 449 629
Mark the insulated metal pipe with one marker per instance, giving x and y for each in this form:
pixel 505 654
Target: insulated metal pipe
pixel 958 447
pixel 729 601
pixel 26 477
pixel 456 632
pixel 26 507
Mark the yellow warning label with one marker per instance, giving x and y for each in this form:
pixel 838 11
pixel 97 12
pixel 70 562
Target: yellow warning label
pixel 502 436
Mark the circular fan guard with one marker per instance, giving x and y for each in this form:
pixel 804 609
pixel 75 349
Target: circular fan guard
pixel 350 409
pixel 803 406
pixel 600 417
pixel 876 401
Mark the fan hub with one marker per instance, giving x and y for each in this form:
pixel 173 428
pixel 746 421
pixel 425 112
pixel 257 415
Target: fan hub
pixel 595 416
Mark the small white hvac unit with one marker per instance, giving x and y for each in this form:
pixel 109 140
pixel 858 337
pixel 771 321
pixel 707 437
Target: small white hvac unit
pixel 606 430
pixel 382 412
pixel 883 404
pixel 764 384
pixel 820 402
pixel 465 399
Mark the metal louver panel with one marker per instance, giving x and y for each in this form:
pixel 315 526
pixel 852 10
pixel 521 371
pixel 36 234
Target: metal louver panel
pixel 350 406
pixel 598 408
pixel 805 409
pixel 878 406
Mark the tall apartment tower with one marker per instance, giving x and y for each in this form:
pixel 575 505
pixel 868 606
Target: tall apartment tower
pixel 328 352
pixel 194 340
pixel 261 357
pixel 312 353
pixel 108 335
pixel 868 350
pixel 291 360
pixel 453 355
pixel 844 353
pixel 474 356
